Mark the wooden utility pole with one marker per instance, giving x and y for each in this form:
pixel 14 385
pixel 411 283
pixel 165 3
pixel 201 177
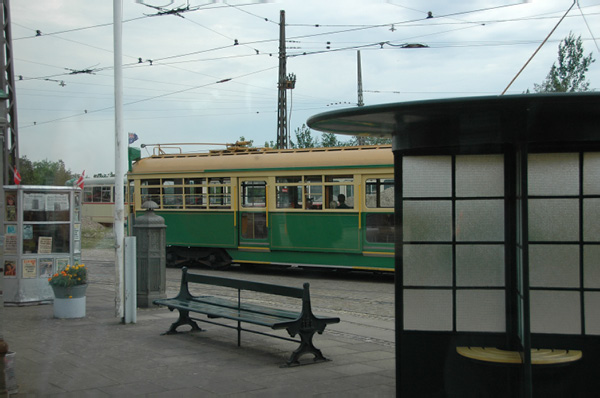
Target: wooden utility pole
pixel 282 127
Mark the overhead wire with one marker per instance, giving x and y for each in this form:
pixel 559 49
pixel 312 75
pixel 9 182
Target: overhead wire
pixel 261 41
pixel 149 98
pixel 538 49
pixel 588 26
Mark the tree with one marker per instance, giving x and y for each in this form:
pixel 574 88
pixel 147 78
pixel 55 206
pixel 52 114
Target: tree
pixel 26 170
pixel 44 172
pixel 104 175
pixel 329 140
pixel 371 141
pixel 569 74
pixel 304 139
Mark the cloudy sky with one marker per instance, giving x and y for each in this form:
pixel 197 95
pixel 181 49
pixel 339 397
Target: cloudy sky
pixel 64 64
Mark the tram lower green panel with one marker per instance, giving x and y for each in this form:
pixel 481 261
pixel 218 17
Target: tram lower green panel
pixel 338 260
pixel 315 232
pixel 200 229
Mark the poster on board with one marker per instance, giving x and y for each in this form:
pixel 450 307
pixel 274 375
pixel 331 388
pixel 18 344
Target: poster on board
pixel 46 266
pixel 57 201
pixel 61 263
pixel 45 244
pixel 34 202
pixel 10 269
pixel 29 268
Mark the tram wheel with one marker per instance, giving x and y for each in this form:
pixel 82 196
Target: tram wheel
pixel 217 260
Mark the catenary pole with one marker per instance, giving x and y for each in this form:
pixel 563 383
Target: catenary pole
pixel 119 224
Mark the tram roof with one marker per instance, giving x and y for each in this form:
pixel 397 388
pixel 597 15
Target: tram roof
pixel 267 159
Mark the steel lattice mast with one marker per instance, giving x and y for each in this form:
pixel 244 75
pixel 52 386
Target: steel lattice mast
pixel 9 106
pixel 282 128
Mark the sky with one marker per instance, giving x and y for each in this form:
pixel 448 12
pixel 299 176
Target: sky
pixel 186 81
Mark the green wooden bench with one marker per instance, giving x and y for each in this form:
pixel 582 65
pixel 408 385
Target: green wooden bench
pixel 538 356
pixel 303 323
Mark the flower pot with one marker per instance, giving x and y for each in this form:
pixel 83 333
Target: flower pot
pixel 69 302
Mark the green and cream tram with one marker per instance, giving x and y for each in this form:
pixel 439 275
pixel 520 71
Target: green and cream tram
pixel 318 207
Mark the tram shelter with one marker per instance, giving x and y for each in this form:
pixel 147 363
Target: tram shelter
pixel 497 221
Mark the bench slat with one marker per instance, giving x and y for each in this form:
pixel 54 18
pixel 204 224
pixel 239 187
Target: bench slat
pixel 285 314
pixel 539 356
pixel 224 312
pixel 245 285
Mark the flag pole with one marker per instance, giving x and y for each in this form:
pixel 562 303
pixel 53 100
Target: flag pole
pixel 119 224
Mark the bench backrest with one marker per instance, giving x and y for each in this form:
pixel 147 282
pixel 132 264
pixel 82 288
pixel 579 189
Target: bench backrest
pixel 241 284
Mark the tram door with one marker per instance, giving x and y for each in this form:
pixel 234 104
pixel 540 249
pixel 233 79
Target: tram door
pixel 253 224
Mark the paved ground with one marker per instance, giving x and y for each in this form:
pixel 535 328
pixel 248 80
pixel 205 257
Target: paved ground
pixel 98 356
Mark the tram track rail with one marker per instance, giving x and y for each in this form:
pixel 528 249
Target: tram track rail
pixel 364 301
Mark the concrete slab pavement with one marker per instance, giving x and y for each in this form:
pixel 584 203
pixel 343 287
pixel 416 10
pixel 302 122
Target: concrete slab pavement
pixel 98 356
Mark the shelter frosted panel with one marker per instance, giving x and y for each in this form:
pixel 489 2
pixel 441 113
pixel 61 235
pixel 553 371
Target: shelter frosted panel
pixel 591 220
pixel 427 309
pixel 479 175
pixel 591 267
pixel 552 174
pixel 480 265
pixel 592 315
pixel 427 221
pixel 480 311
pixel 427 176
pixel 555 312
pixel 427 265
pixel 553 219
pixel 591 173
pixel 480 220
pixel 554 266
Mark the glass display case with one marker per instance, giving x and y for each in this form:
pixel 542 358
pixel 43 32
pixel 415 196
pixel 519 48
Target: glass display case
pixel 42 235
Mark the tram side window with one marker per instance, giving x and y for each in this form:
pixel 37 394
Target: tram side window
pixel 87 195
pixel 195 193
pixel 219 193
pixel 380 228
pixel 379 193
pixel 339 192
pixel 106 194
pixel 288 192
pixel 172 193
pixel 313 194
pixel 98 194
pixel 254 194
pixel 150 191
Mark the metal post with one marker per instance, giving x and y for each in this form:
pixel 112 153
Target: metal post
pixel 130 280
pixel 119 224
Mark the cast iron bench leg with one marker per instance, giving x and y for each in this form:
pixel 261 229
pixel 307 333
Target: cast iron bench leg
pixel 184 319
pixel 306 347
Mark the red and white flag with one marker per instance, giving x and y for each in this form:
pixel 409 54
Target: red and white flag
pixel 79 182
pixel 16 176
